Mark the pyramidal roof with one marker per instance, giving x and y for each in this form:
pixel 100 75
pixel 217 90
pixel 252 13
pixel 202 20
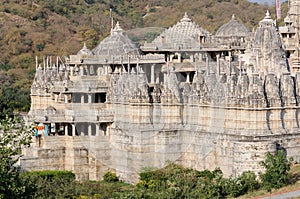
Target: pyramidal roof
pixel 117 44
pixel 233 28
pixel 184 35
pixel 267 44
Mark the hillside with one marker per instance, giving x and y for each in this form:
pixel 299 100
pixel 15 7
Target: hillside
pixel 32 28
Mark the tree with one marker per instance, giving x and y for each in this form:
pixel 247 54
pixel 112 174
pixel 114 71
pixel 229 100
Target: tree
pixel 14 135
pixel 277 167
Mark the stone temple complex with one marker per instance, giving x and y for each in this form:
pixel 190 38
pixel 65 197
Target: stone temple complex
pixel 191 97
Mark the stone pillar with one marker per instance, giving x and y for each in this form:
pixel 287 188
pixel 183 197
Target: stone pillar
pixel 89 98
pixel 82 130
pixel 229 63
pixel 218 63
pixel 240 65
pixel 55 97
pixel 71 71
pixel 179 57
pixel 89 129
pixel 188 77
pixel 152 74
pixel 66 98
pixel 206 64
pixel 97 129
pixel 91 70
pixel 165 77
pixel 82 98
pixel 157 77
pixel 81 71
pixel 73 130
pixel 66 129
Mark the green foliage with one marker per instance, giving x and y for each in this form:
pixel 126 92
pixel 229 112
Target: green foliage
pixel 14 136
pixel 50 184
pixel 241 185
pixel 174 181
pixel 110 177
pixel 62 184
pixel 13 99
pixel 277 167
pixel 52 175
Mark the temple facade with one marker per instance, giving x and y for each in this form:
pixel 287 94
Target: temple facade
pixel 191 97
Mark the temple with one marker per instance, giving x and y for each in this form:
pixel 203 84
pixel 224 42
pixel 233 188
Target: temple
pixel 191 97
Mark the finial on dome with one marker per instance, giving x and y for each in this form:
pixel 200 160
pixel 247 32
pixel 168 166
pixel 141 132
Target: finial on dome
pixel 117 28
pixel 185 18
pixel 267 15
pixel 185 15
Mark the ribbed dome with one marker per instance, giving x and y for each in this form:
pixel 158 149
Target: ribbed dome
pixel 84 51
pixel 117 44
pixel 185 34
pixel 233 29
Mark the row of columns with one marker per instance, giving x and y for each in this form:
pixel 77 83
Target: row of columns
pixel 154 79
pixel 72 129
pixel 81 131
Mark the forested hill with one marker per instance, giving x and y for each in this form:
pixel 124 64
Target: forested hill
pixel 30 28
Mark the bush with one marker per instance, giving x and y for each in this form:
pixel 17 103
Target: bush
pixel 277 167
pixel 51 184
pixel 110 177
pixel 67 176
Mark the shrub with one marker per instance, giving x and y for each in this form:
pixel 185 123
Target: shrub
pixel 110 177
pixel 51 184
pixel 277 167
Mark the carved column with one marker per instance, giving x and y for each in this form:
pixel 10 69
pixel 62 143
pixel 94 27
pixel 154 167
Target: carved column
pixel 157 77
pixel 89 129
pixel 240 65
pixel 81 70
pixel 89 98
pixel 66 129
pixel 229 63
pixel 206 64
pixel 97 129
pixel 66 98
pixel 188 77
pixel 71 71
pixel 82 130
pixel 218 63
pixel 152 74
pixel 82 98
pixel 73 130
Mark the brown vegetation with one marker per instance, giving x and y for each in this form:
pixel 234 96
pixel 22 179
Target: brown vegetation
pixel 32 28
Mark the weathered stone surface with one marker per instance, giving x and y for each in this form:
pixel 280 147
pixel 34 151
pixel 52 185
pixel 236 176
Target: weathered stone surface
pixel 192 98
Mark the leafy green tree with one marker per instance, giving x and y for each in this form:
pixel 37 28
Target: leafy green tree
pixel 14 135
pixel 277 167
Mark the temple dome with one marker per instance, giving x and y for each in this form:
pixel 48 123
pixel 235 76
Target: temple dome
pixel 183 35
pixel 233 28
pixel 84 51
pixel 117 44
